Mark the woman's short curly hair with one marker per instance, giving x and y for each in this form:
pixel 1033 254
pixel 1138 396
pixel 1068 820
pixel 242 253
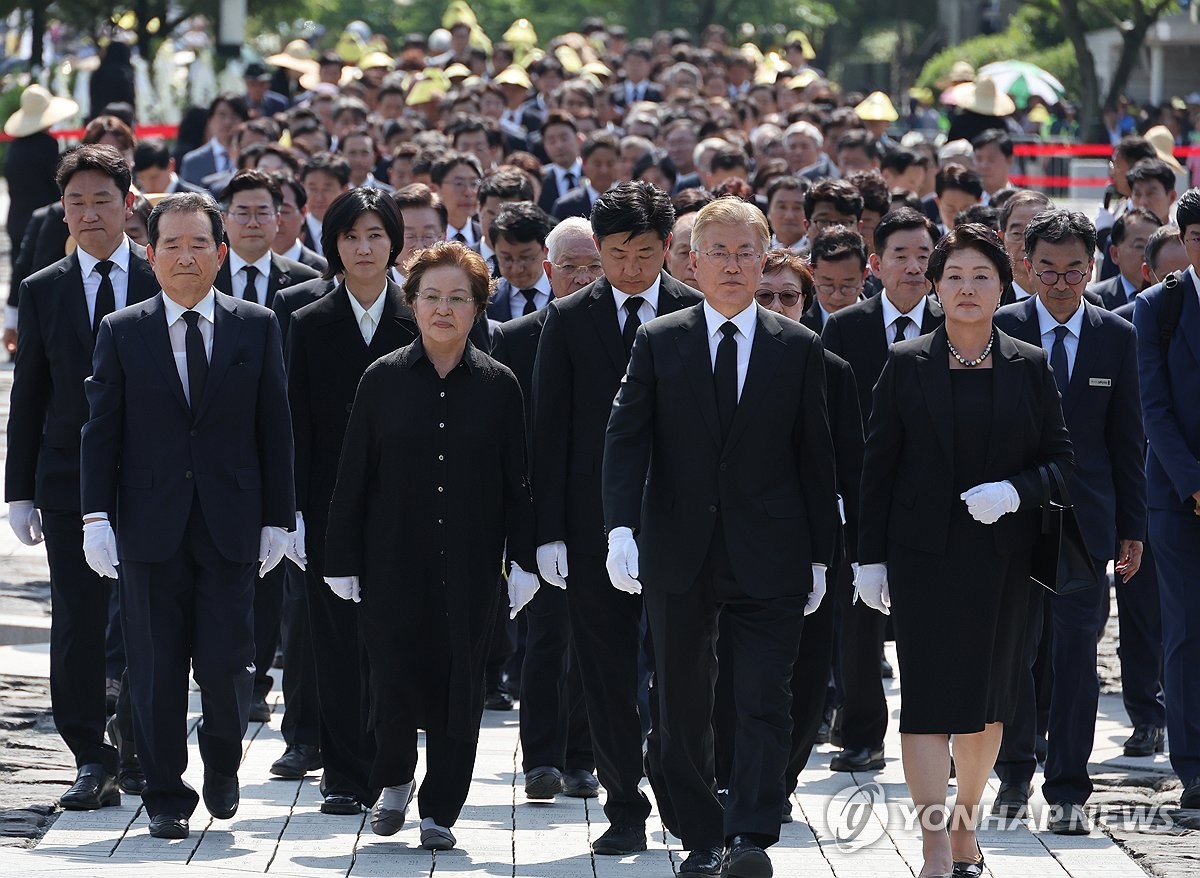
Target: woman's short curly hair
pixel 449 254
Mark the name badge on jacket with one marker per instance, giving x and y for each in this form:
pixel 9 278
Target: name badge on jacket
pixel 1099 382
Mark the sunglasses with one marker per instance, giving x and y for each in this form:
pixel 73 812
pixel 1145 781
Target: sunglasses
pixel 787 298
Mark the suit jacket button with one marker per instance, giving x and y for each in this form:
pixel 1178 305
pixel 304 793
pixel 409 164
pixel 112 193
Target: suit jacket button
pixel 188 474
pixel 724 466
pixel 193 432
pixel 712 508
pixel 349 407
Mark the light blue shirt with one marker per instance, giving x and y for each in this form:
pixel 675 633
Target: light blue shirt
pixel 746 321
pixel 1047 323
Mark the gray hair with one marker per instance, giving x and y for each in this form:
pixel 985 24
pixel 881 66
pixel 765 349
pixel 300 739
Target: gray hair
pixel 805 129
pixel 572 227
pixel 187 202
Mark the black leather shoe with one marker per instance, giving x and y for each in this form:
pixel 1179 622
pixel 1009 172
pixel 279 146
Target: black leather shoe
pixel 168 826
pixel 543 782
pixel 1012 802
pixel 578 783
pixel 1068 818
pixel 498 699
pixel 747 859
pixel 260 711
pixel 93 788
pixel 130 777
pixel 1146 741
pixel 297 761
pixel 786 816
pixel 221 794
pixel 862 759
pixel 620 840
pixel 968 868
pixel 885 669
pixel 707 861
pixel 835 728
pixel 341 803
pixel 1191 795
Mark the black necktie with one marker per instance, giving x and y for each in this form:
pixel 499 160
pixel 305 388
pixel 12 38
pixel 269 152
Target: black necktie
pixel 106 299
pixel 568 182
pixel 632 321
pixel 901 324
pixel 1058 359
pixel 250 291
pixel 725 377
pixel 460 237
pixel 530 304
pixel 197 359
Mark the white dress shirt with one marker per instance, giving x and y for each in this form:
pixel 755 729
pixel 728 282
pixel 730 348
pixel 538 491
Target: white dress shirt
pixel 824 314
pixel 891 312
pixel 466 231
pixel 800 246
pixel 368 318
pixel 1020 292
pixel 560 174
pixel 1074 324
pixel 294 251
pixel 746 321
pixel 541 298
pixel 239 277
pixel 314 228
pixel 119 275
pixel 635 91
pixel 177 329
pixel 1195 280
pixel 649 307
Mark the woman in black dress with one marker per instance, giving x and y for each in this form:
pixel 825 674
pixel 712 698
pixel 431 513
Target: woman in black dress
pixel 431 495
pixel 961 420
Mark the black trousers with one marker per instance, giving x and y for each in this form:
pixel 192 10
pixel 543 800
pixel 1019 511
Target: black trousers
pixel 554 722
pixel 864 713
pixel 449 766
pixel 79 600
pixel 196 607
pixel 763 638
pixel 342 684
pixel 301 719
pixel 268 608
pixel 605 632
pixel 1139 618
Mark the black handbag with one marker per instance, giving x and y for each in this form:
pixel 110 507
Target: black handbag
pixel 1062 563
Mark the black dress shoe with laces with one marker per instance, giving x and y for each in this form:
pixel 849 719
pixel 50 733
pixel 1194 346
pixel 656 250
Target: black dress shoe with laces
pixel 579 783
pixel 1191 795
pixel 297 761
pixel 221 794
pixel 498 699
pixel 1146 740
pixel 341 803
pixel 1068 818
pixel 621 839
pixel 260 711
pixel 1012 802
pixel 747 859
pixel 859 759
pixel 169 826
pixel 130 777
pixel 707 861
pixel 93 788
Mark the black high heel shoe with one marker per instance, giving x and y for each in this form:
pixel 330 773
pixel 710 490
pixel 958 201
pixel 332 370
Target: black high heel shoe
pixel 968 868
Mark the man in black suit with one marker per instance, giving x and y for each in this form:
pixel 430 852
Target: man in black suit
pixel 61 308
pixel 560 139
pixel 292 219
pixel 154 168
pixel 519 235
pixel 601 155
pixel 838 256
pixel 637 86
pixel 327 353
pixel 225 113
pixel 582 354
pixel 497 189
pixel 861 335
pixel 1094 358
pixel 710 393
pixel 1126 248
pixel 456 177
pixel 188 452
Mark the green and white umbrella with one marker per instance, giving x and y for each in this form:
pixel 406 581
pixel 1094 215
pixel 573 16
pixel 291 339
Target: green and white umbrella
pixel 1022 80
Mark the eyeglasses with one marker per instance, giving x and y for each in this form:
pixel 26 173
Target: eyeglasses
pixel 1051 278
pixel 787 298
pixel 745 258
pixel 831 290
pixel 455 301
pixel 1192 239
pixel 243 217
pixel 471 185
pixel 426 240
pixel 592 270
pixel 506 259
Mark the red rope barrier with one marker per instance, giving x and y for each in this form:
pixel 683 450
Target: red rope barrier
pixel 1092 150
pixel 167 131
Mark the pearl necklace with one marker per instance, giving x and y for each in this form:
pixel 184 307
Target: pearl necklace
pixel 971 363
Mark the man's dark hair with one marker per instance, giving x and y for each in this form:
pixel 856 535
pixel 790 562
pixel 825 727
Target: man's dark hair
pixel 655 159
pixel 1057 226
pixel 643 48
pixel 507 186
pixel 247 181
pixel 845 199
pixel 900 160
pixel 327 163
pixel 904 198
pixel 1151 169
pixel 416 195
pixel 689 201
pixel 264 127
pixel 1187 210
pixel 358 131
pixel 631 209
pixel 467 123
pixel 729 158
pixel 1162 236
pixel 956 176
pixel 971 236
pixel 151 152
pixel 350 105
pixel 1133 148
pixel 186 202
pixel 99 157
pixel 559 117
pixel 788 182
pixel 345 211
pixel 599 140
pixel 837 243
pixel 521 222
pixel 305 125
pixel 286 182
pixel 447 162
pixel 1022 198
pixel 873 189
pixel 858 138
pixel 982 214
pixel 997 136
pixel 1128 218
pixel 235 102
pixel 902 219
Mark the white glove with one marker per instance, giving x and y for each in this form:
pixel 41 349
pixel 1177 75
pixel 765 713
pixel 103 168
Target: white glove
pixel 100 548
pixel 295 551
pixel 26 522
pixel 622 560
pixel 273 544
pixel 871 587
pixel 989 501
pixel 345 587
pixel 522 587
pixel 818 590
pixel 552 563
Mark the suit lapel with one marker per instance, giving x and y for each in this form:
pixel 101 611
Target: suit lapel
pixel 692 343
pixel 765 353
pixel 933 370
pixel 1085 358
pixel 396 323
pixel 153 325
pixel 1006 392
pixel 278 280
pixel 227 327
pixel 224 281
pixel 933 316
pixel 603 312
pixel 76 302
pixel 1189 320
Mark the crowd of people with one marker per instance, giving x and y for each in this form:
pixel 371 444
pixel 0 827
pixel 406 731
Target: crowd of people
pixel 627 383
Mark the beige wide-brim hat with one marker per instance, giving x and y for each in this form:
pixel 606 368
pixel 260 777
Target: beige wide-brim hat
pixel 984 98
pixel 877 107
pixel 296 55
pixel 1163 141
pixel 39 110
pixel 960 71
